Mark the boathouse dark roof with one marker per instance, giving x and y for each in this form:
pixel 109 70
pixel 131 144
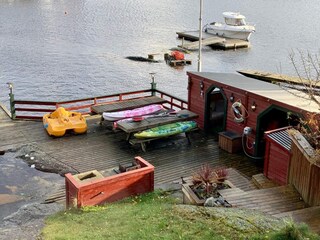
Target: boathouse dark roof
pixel 261 88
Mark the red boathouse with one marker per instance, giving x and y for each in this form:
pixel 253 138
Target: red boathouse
pixel 245 108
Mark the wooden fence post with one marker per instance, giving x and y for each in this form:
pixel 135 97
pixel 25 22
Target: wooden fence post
pixel 12 103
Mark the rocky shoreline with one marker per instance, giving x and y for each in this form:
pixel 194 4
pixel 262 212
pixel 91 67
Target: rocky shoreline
pixel 23 189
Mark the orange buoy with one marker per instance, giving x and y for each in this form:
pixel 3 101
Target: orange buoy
pixel 177 55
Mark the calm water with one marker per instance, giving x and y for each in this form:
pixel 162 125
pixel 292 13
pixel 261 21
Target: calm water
pixel 59 50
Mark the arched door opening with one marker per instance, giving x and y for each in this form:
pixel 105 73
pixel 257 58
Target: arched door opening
pixel 272 118
pixel 215 111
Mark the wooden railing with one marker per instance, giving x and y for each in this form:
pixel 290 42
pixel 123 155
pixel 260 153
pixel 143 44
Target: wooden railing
pixel 304 170
pixel 26 109
pixel 173 102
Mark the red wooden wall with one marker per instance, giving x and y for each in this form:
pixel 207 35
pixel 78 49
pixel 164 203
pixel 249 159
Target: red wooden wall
pixel 196 98
pixel 111 188
pixel 276 162
pixel 196 103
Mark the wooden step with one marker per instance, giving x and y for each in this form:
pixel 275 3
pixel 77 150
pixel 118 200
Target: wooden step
pixel 262 181
pixel 239 180
pixel 231 192
pixel 271 200
pixel 310 216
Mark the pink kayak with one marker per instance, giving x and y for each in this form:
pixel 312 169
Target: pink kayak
pixel 114 116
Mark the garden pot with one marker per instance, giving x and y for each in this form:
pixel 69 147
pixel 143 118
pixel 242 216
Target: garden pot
pixel 190 197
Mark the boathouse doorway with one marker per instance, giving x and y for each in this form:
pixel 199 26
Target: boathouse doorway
pixel 272 118
pixel 215 111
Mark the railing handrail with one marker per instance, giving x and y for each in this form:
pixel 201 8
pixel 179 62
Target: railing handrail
pixel 172 101
pixel 33 102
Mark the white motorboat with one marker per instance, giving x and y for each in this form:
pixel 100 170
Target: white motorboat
pixel 235 26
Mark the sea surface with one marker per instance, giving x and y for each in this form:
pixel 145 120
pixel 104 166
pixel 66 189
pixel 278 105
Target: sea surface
pixel 63 50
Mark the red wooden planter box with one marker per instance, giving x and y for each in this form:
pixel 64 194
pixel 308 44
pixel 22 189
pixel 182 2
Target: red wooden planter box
pixel 96 189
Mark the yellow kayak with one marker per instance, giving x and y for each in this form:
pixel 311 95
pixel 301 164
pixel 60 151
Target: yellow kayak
pixel 59 121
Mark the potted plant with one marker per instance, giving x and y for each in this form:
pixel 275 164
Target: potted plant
pixel 221 174
pixel 204 184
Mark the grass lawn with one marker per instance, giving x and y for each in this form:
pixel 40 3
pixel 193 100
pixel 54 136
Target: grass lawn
pixel 157 216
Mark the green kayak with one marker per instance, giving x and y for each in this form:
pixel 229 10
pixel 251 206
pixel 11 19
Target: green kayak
pixel 167 130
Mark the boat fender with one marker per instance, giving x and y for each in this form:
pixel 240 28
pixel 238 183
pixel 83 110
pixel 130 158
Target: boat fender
pixel 238 111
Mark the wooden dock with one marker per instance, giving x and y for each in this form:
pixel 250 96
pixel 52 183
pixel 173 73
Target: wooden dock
pixel 205 42
pixel 175 63
pixel 211 40
pixel 278 78
pixel 102 149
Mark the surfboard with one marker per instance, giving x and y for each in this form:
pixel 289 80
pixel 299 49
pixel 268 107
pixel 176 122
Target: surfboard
pixel 167 130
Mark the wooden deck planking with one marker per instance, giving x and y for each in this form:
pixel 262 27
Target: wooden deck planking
pixel 311 216
pixel 271 200
pixel 274 77
pixel 178 166
pixel 175 63
pixel 262 181
pixel 127 104
pixel 4 113
pixel 240 181
pixel 205 42
pixel 103 149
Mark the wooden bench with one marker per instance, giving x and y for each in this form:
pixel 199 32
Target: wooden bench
pixel 134 127
pixel 143 141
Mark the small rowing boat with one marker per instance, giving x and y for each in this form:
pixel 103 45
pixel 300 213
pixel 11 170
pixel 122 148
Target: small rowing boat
pixel 146 110
pixel 167 130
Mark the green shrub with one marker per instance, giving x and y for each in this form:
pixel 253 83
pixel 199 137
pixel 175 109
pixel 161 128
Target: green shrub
pixel 291 231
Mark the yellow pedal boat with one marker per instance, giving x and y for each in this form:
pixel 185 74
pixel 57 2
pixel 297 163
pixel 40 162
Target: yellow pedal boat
pixel 59 121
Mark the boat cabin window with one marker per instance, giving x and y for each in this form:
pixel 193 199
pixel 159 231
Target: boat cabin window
pixel 235 21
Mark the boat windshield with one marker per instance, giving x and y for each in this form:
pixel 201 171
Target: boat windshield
pixel 235 21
